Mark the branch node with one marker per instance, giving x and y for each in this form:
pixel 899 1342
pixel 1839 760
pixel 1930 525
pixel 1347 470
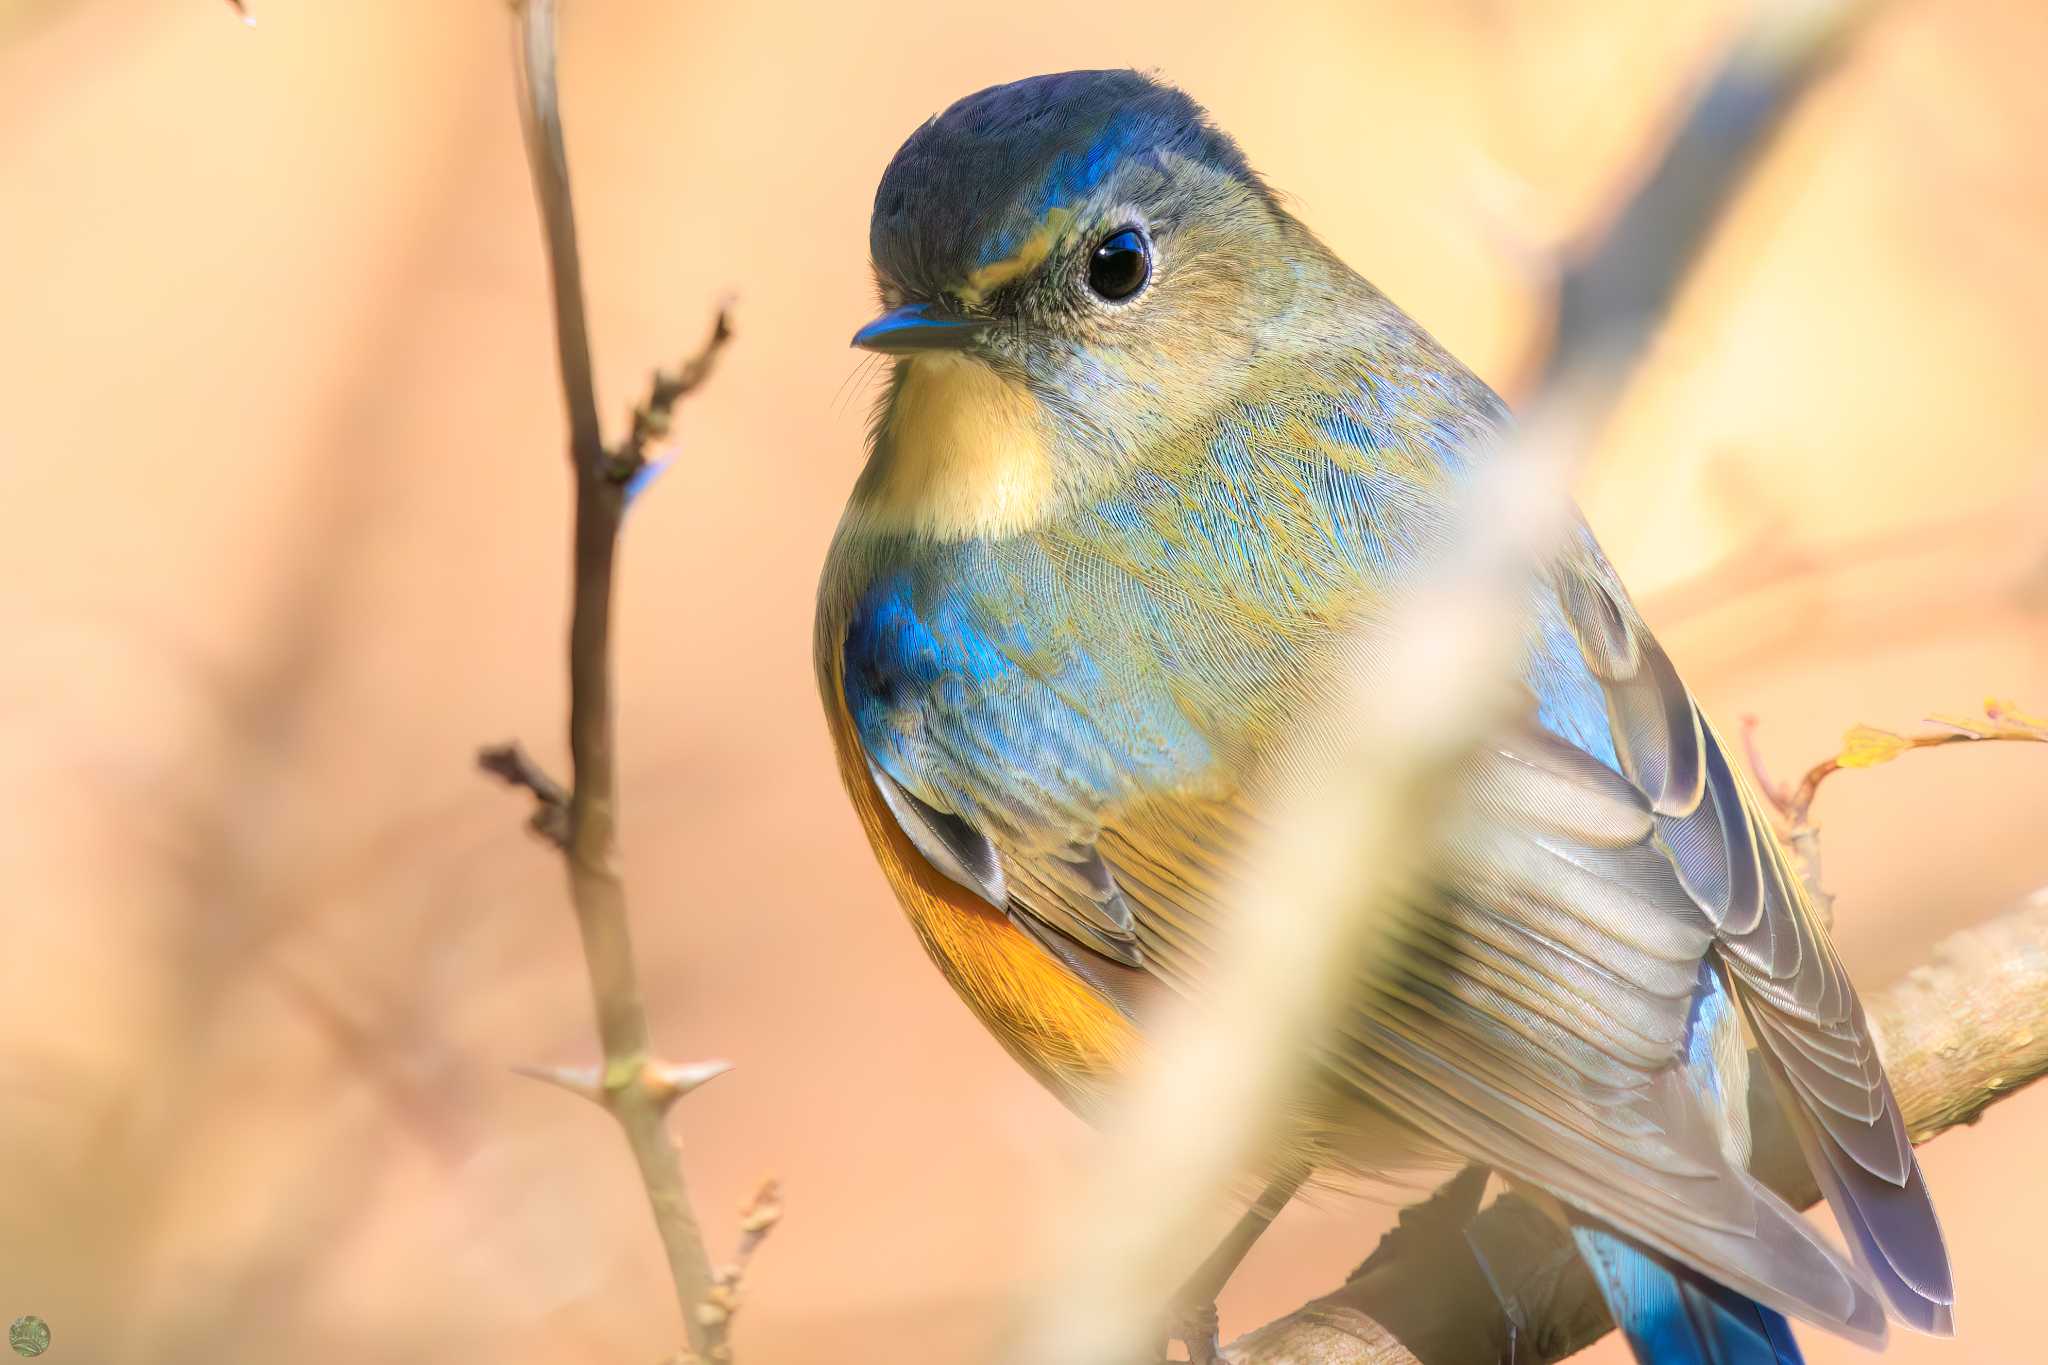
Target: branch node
pixel 715 1313
pixel 760 1216
pixel 511 763
pixel 654 418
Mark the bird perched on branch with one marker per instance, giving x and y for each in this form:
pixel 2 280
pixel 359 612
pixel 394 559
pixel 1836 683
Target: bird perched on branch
pixel 1148 457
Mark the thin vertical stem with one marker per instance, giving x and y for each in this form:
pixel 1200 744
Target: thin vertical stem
pixel 628 1087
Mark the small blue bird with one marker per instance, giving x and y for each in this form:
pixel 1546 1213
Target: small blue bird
pixel 1148 453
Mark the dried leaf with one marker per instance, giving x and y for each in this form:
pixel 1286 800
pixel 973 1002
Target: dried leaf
pixel 2002 720
pixel 1866 746
pixel 2011 717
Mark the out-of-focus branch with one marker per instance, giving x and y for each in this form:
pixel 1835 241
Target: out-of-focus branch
pixel 632 1085
pixel 1615 292
pixel 1315 907
pixel 1958 1034
pixel 1359 821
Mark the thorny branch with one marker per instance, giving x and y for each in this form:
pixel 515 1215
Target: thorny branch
pixel 632 1085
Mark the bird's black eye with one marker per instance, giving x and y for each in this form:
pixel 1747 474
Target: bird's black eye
pixel 1121 265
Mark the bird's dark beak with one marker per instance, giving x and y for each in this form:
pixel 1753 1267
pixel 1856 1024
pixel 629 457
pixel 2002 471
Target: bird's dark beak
pixel 919 327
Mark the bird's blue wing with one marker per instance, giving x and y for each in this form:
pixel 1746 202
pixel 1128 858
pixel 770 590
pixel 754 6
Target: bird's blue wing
pixel 1671 1314
pixel 996 740
pixel 1782 971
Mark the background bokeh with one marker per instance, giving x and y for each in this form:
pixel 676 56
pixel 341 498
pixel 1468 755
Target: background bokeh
pixel 283 535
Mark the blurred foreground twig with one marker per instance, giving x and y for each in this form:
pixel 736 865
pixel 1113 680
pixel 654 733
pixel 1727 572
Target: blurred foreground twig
pixel 1314 907
pixel 632 1085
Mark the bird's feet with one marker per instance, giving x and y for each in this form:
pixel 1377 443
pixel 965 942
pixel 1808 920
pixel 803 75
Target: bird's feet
pixel 1195 1326
pixel 1510 1305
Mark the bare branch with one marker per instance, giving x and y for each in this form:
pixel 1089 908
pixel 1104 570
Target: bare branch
pixel 1865 746
pixel 511 762
pixel 1613 296
pixel 582 820
pixel 757 1220
pixel 652 418
pixel 548 161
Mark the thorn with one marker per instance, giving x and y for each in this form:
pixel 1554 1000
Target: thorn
pixel 577 1080
pixel 668 1082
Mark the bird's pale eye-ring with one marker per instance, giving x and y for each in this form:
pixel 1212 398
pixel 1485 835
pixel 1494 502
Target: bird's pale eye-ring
pixel 1119 267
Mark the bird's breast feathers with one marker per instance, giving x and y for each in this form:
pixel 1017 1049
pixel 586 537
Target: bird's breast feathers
pixel 962 453
pixel 1029 672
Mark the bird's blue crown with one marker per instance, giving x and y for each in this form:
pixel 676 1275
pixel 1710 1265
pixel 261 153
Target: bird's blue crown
pixel 973 183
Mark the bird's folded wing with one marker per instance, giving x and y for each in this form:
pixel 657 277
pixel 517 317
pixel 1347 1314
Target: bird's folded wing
pixel 1536 1011
pixel 1805 1018
pixel 1533 1011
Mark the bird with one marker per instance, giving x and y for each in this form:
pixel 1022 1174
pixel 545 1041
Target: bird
pixel 1148 455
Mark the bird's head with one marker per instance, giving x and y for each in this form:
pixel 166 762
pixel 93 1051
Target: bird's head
pixel 1071 267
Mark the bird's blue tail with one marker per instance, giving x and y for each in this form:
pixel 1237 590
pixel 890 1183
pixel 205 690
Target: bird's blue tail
pixel 1673 1315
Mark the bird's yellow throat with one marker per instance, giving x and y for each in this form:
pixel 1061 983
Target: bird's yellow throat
pixel 962 453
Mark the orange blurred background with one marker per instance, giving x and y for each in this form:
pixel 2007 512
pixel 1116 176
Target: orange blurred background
pixel 283 538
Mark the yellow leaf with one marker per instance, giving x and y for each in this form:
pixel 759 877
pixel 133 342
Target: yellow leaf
pixel 1866 746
